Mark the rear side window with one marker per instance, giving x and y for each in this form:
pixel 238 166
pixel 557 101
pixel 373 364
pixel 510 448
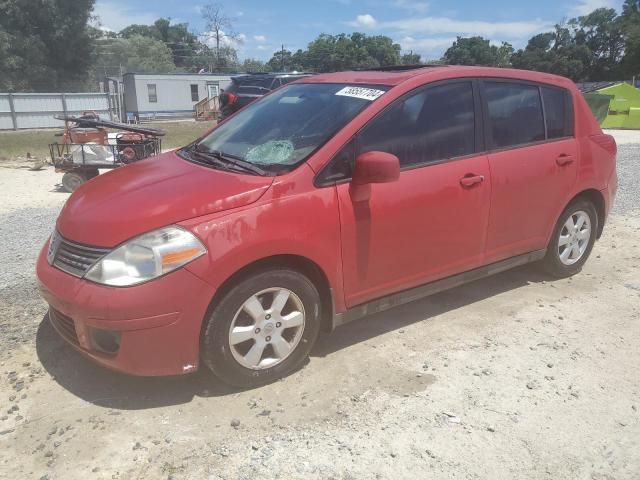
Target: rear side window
pixel 254 85
pixel 558 112
pixel 433 124
pixel 515 113
pixel 285 80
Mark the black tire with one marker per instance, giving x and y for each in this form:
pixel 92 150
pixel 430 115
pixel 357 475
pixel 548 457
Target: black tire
pixel 72 180
pixel 552 264
pixel 216 349
pixel 89 174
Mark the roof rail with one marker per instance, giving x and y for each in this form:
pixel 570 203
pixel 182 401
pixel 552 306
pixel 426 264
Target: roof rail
pixel 399 68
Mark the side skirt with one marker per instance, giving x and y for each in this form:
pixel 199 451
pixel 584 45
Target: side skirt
pixel 406 296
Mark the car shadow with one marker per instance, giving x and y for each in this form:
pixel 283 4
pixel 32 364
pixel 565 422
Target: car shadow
pixel 109 389
pixel 427 308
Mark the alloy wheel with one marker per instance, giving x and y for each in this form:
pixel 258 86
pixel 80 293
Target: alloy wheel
pixel 267 328
pixel 574 237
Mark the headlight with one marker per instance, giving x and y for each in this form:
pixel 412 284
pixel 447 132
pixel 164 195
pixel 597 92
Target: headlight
pixel 147 257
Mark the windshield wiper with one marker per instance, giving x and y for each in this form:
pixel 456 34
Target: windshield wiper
pixel 229 159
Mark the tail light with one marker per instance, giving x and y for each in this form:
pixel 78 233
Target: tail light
pixel 230 98
pixel 605 141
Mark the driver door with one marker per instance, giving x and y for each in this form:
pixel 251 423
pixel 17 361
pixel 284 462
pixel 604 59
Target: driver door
pixel 432 222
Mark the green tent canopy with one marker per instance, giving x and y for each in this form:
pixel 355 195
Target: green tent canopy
pixel 599 105
pixel 624 107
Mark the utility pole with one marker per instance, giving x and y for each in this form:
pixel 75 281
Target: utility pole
pixel 282 58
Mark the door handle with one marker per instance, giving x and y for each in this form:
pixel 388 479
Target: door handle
pixel 564 159
pixel 471 180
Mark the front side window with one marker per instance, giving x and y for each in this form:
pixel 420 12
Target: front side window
pixel 194 93
pixel 151 90
pixel 515 114
pixel 279 131
pixel 434 124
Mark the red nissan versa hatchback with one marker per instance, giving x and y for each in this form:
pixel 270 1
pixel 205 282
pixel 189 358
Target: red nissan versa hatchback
pixel 331 198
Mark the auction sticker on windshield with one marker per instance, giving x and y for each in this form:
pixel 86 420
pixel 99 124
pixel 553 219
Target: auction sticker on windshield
pixel 360 92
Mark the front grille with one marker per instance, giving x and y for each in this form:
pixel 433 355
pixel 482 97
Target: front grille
pixel 64 325
pixel 74 258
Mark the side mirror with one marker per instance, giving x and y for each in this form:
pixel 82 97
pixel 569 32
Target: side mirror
pixel 375 167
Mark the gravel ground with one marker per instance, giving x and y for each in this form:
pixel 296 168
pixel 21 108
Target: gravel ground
pixel 515 376
pixel 628 197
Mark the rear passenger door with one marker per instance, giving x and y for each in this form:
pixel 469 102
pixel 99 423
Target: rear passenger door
pixel 533 161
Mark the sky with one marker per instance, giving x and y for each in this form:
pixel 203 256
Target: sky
pixel 427 27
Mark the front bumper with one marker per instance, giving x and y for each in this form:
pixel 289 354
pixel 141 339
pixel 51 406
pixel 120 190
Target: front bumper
pixel 158 323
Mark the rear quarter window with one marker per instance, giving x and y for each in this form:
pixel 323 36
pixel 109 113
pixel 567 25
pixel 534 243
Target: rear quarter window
pixel 558 112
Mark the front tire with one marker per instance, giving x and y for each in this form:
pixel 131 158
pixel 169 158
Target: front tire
pixel 573 238
pixel 262 329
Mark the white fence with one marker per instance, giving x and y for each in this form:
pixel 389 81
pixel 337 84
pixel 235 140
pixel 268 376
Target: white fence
pixel 36 110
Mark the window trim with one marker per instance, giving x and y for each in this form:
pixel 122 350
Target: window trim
pixel 483 135
pixel 479 137
pixel 486 120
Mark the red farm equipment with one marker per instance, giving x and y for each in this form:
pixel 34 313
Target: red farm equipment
pixel 88 146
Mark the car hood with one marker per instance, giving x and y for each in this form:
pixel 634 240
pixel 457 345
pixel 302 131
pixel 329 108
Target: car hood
pixel 149 194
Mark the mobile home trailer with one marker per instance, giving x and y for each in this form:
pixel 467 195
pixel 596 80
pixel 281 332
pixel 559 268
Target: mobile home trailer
pixel 170 94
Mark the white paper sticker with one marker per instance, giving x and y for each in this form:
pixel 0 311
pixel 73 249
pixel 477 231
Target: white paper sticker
pixel 360 92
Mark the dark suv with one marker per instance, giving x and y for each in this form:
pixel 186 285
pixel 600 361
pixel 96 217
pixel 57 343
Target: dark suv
pixel 247 88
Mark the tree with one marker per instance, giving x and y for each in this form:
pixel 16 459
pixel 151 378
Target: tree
pixel 45 46
pixel 331 53
pixel 554 52
pixel 186 50
pixel 286 61
pixel 411 59
pixel 478 51
pixel 253 65
pixel 219 29
pixel 134 54
pixel 630 23
pixel 601 32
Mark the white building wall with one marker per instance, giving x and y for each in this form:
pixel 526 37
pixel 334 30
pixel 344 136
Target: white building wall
pixel 173 92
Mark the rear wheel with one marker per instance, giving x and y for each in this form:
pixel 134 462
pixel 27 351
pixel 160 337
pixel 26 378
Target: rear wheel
pixel 573 239
pixel 72 180
pixel 263 328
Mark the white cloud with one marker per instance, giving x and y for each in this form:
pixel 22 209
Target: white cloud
pixel 411 5
pixel 115 16
pixel 260 38
pixel 444 25
pixel 429 48
pixel 364 21
pixel 422 44
pixel 262 47
pixel 584 7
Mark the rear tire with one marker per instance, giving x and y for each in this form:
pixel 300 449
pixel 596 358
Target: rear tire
pixel 262 329
pixel 72 180
pixel 572 240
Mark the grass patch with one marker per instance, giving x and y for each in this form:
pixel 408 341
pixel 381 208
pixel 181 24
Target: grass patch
pixel 14 144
